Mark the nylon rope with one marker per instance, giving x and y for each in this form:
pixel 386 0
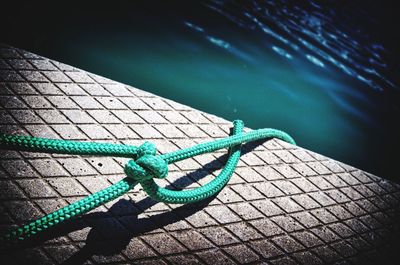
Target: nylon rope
pixel 144 166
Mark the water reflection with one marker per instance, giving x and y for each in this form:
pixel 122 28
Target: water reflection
pixel 219 42
pixel 282 52
pixel 316 30
pixel 195 27
pixel 315 61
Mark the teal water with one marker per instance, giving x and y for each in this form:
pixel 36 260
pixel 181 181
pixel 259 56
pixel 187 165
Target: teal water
pixel 331 92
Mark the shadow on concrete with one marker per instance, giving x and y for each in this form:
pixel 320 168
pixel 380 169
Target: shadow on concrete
pixel 113 230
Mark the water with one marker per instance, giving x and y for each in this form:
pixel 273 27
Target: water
pixel 325 74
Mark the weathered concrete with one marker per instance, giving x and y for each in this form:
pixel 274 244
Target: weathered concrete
pixel 284 204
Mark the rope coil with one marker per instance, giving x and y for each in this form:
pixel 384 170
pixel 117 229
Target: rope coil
pixel 143 167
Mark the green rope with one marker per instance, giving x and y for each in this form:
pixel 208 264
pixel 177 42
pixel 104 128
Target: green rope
pixel 144 166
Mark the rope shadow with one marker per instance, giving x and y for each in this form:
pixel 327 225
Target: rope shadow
pixel 113 230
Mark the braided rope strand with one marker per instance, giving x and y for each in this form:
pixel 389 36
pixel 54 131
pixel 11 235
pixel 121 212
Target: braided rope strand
pixel 44 145
pixel 75 209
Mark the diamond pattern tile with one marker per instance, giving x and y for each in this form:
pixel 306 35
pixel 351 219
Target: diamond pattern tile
pixel 284 204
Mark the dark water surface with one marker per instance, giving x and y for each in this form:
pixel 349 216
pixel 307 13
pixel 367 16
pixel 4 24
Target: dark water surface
pixel 325 73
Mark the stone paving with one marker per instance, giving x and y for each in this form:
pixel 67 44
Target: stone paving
pixel 284 204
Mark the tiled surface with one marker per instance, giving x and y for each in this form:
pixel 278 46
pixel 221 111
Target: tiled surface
pixel 284 205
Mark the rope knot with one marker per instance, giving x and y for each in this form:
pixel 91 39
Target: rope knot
pixel 147 165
